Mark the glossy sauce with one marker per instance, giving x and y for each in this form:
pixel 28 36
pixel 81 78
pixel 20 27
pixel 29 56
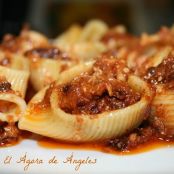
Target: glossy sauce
pixel 98 90
pixel 102 147
pixel 48 143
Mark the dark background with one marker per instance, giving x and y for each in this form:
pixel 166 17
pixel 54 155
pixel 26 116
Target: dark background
pixel 51 17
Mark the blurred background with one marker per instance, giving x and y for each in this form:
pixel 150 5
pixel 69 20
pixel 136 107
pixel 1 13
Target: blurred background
pixel 52 17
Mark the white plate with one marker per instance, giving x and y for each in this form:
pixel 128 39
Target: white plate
pixel 159 161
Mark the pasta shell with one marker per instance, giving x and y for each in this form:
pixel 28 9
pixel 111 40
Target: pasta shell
pixel 163 108
pixel 158 58
pixel 12 107
pixel 17 78
pixel 68 75
pixel 44 72
pixel 14 61
pixel 93 31
pixel 19 62
pixel 85 51
pixel 83 43
pixel 32 39
pixel 70 36
pixel 54 122
pixel 80 128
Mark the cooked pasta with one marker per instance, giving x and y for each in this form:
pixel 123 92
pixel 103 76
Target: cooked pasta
pixel 46 65
pixel 162 105
pixel 92 125
pixel 12 107
pixel 83 43
pixel 14 61
pixel 18 79
pixel 13 85
pixel 25 41
pixel 91 83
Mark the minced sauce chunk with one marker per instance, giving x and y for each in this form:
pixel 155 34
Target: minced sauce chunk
pixel 98 90
pixel 47 52
pixel 122 39
pixel 9 133
pixel 163 73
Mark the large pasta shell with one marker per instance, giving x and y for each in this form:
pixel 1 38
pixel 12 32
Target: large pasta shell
pixel 32 39
pixel 19 62
pixel 84 51
pixel 43 72
pixel 163 108
pixel 14 61
pixel 93 31
pixel 83 43
pixel 54 122
pixel 46 70
pixel 70 36
pixel 17 78
pixel 12 107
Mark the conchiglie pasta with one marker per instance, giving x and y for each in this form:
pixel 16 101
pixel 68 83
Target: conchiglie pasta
pixel 46 65
pixel 83 43
pixel 70 36
pixel 90 84
pixel 93 31
pixel 46 72
pixel 82 128
pixel 161 76
pixel 13 84
pixel 13 60
pixel 85 51
pixel 25 41
pixel 163 108
pixel 12 106
pixel 15 69
pixel 19 62
pixel 32 39
pixel 155 60
pixel 54 122
pixel 71 73
pixel 18 79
